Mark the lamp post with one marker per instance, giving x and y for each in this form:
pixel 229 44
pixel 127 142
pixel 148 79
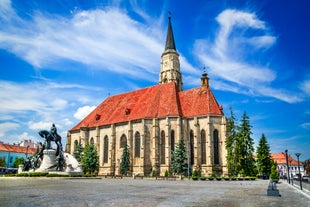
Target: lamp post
pixel 288 170
pixel 297 155
pixel 291 159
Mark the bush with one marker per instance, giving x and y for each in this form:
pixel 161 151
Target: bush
pixel 166 173
pixel 195 175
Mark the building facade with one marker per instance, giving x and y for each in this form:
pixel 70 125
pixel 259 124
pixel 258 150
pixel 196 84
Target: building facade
pixel 152 120
pixel 293 166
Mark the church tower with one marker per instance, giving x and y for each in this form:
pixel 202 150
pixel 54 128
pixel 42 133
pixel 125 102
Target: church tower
pixel 170 64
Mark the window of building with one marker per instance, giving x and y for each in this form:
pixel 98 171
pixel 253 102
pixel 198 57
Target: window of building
pixel 92 141
pixel 123 141
pixel 162 147
pixel 172 140
pixel 106 149
pixel 137 144
pixel 75 144
pixel 203 147
pixel 191 143
pixel 216 147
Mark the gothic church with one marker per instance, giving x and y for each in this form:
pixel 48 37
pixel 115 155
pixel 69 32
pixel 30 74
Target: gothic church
pixel 152 120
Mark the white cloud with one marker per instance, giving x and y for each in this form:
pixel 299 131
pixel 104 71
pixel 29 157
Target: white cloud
pixel 7 126
pixel 82 112
pixel 305 87
pixel 40 125
pixel 306 125
pixel 227 60
pixel 106 39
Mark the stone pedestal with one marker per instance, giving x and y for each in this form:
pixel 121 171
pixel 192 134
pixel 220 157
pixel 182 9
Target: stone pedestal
pixel 49 161
pixel 272 189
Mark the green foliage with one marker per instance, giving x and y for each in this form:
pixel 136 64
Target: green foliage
pixel 78 152
pixel 90 159
pixel 32 174
pixel 153 173
pixel 18 161
pixel 2 162
pixel 178 159
pixel 125 161
pixel 245 148
pixel 231 142
pixel 195 175
pixel 274 174
pixel 263 156
pixel 166 173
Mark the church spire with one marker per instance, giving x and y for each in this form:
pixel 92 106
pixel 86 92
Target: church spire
pixel 170 45
pixel 170 63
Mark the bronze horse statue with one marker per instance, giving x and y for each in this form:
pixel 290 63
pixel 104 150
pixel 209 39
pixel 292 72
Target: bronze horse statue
pixel 52 136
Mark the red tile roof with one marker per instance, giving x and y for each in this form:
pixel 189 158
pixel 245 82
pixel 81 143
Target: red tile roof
pixel 281 159
pixel 153 102
pixel 16 148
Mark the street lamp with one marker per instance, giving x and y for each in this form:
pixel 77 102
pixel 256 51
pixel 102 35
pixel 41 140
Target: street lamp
pixel 297 155
pixel 291 160
pixel 288 170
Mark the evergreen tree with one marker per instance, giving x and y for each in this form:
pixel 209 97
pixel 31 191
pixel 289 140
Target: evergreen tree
pixel 178 159
pixel 90 159
pixel 2 162
pixel 125 161
pixel 245 149
pixel 231 141
pixel 274 174
pixel 78 152
pixel 18 161
pixel 263 156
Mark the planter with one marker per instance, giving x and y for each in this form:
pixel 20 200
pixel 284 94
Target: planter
pixel 233 179
pixel 227 179
pixel 203 178
pixel 210 178
pixel 240 178
pixel 218 179
pixel 194 178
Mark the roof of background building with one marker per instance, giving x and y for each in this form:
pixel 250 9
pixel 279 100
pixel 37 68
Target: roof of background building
pixel 16 148
pixel 280 158
pixel 157 101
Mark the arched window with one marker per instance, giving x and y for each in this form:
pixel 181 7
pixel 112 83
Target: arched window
pixel 172 140
pixel 191 144
pixel 123 142
pixel 92 141
pixel 162 147
pixel 137 144
pixel 216 147
pixel 75 144
pixel 106 149
pixel 203 147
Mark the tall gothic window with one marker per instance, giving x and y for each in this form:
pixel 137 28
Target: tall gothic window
pixel 106 149
pixel 172 140
pixel 162 147
pixel 75 144
pixel 191 145
pixel 216 147
pixel 137 144
pixel 203 147
pixel 92 141
pixel 123 141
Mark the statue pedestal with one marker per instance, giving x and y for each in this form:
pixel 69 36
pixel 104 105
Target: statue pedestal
pixel 49 161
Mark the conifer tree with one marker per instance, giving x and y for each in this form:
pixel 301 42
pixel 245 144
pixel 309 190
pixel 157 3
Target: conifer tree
pixel 231 141
pixel 178 159
pixel 125 161
pixel 245 148
pixel 90 159
pixel 263 156
pixel 78 152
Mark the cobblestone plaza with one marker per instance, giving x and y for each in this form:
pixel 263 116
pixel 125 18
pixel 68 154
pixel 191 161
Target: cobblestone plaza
pixel 146 192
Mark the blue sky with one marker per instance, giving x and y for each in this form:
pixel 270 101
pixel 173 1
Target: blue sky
pixel 58 60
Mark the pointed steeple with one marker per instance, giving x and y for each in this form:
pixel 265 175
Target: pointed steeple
pixel 170 63
pixel 170 44
pixel 204 80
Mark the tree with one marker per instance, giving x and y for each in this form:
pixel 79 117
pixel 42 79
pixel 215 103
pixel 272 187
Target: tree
pixel 245 149
pixel 78 152
pixel 90 159
pixel 231 142
pixel 2 162
pixel 263 159
pixel 125 161
pixel 274 174
pixel 178 159
pixel 18 161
